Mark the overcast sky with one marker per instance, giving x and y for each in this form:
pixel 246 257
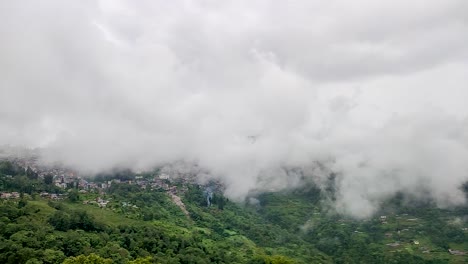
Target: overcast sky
pixel 377 90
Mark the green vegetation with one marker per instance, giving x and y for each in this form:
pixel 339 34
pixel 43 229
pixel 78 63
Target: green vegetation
pixel 14 178
pixel 128 224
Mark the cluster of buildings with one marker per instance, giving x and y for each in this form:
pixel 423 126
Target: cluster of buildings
pixel 88 185
pixel 102 203
pixel 65 178
pixel 9 195
pixel 52 196
pixel 166 179
pixel 30 159
pixel 457 252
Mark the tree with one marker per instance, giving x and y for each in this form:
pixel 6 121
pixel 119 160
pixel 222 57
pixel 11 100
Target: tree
pixel 22 203
pixel 75 243
pixel 60 220
pixel 48 179
pixel 31 174
pixel 7 168
pixel 23 184
pixel 53 256
pixel 73 196
pixel 115 252
pixel 90 259
pixel 34 261
pixel 276 259
pixel 221 201
pixel 147 260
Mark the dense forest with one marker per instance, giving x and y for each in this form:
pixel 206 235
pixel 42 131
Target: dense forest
pixel 144 225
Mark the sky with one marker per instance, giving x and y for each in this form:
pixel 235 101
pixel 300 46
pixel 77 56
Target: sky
pixel 375 91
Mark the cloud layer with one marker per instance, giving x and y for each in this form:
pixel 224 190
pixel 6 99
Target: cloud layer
pixel 376 91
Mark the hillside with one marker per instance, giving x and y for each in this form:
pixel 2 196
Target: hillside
pixel 128 223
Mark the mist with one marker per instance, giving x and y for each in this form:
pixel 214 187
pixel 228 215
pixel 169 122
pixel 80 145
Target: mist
pixel 375 92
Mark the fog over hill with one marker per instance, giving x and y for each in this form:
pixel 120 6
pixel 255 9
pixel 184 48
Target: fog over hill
pixel 374 91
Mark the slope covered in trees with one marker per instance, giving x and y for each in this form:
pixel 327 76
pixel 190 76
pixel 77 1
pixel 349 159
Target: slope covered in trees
pixel 139 225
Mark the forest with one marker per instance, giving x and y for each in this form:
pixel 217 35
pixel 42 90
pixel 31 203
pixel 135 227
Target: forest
pixel 144 225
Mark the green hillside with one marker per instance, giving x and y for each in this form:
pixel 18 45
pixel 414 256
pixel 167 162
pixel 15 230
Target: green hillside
pixel 148 226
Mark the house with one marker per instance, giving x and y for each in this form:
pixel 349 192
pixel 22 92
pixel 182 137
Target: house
pixel 457 252
pixel 395 244
pixel 5 195
pixel 164 176
pixel 44 194
pixel 61 185
pixel 101 202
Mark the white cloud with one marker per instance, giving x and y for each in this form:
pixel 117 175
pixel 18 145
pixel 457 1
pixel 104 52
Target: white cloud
pixel 244 88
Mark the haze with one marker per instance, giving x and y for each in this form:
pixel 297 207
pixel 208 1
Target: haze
pixel 374 90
